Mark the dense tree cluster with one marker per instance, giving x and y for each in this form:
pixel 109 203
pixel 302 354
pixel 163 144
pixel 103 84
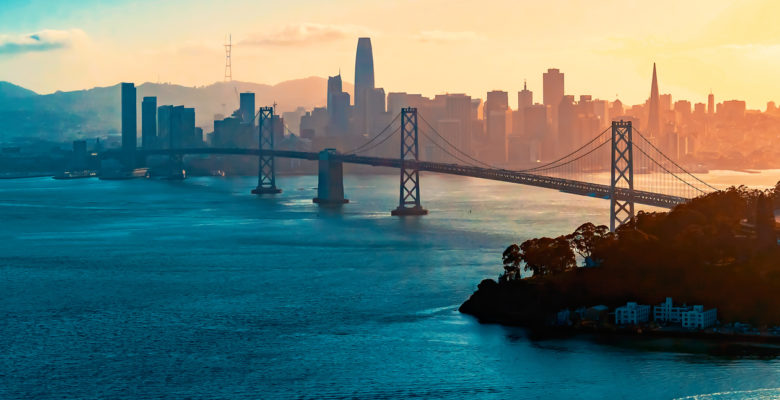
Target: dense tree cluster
pixel 719 250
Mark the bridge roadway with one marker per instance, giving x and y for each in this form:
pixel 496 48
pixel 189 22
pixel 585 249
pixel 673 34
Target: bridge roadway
pixel 523 178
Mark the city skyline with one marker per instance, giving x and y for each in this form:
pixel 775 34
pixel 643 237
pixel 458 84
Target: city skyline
pixel 41 41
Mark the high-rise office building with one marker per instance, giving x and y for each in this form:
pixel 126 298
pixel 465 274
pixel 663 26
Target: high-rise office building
pixel 497 101
pixel 164 126
pixel 364 71
pixel 334 87
pixel 247 107
pixel 458 108
pixel 552 94
pixel 711 104
pixel 338 114
pixel 567 119
pixel 654 116
pixel 552 89
pixel 149 122
pixel 338 107
pixel 366 105
pixel 525 98
pixel 129 125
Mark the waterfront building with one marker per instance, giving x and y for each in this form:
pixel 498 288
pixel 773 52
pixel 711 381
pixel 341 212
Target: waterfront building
pixel 79 160
pixel 596 313
pixel 699 318
pixel 632 314
pixel 667 312
pixel 149 122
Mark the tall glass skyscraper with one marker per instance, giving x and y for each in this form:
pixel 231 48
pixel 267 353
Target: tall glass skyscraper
pixel 364 72
pixel 129 125
pixel 149 122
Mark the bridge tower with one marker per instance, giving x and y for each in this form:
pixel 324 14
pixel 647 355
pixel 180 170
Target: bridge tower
pixel 621 209
pixel 409 199
pixel 266 172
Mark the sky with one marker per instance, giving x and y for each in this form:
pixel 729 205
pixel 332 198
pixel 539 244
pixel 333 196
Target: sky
pixel 605 48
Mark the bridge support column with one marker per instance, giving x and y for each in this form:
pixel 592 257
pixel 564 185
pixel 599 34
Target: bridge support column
pixel 621 206
pixel 409 199
pixel 266 172
pixel 330 185
pixel 176 167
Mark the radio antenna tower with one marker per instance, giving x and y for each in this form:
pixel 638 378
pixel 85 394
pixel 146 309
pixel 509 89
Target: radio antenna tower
pixel 228 68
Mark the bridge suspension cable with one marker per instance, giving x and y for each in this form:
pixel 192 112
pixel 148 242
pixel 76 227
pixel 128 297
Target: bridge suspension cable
pixel 425 135
pixel 673 162
pixel 364 147
pixel 551 164
pixel 453 146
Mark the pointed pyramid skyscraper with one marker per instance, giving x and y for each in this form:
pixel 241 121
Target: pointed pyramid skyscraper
pixel 654 116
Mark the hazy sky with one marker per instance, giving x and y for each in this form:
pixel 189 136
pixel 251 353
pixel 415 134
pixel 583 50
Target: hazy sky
pixel 605 47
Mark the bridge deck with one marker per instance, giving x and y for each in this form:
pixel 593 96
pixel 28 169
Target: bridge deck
pixel 564 185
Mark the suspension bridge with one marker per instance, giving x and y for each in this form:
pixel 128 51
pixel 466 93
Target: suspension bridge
pixel 638 171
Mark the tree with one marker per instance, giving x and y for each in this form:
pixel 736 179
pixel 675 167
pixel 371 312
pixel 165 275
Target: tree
pixel 546 256
pixel 765 221
pixel 512 259
pixel 586 238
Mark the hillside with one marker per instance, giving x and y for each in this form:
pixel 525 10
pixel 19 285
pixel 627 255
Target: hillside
pixel 96 111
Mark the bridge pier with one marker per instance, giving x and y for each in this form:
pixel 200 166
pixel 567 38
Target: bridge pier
pixel 266 172
pixel 330 183
pixel 176 167
pixel 409 200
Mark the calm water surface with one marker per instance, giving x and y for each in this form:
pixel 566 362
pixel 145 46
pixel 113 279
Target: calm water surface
pixel 198 289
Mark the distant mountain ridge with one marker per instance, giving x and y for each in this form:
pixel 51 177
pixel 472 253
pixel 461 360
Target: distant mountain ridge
pixel 97 111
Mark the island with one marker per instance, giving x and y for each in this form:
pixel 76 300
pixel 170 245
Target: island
pixel 710 266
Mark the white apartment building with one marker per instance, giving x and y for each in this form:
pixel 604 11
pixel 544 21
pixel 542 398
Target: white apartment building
pixel 698 318
pixel 632 314
pixel 667 312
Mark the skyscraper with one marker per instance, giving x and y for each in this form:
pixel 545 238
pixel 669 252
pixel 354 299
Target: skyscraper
pixel 148 122
pixel 364 71
pixel 334 87
pixel 525 98
pixel 129 125
pixel 338 107
pixel 247 107
pixel 711 104
pixel 552 89
pixel 654 116
pixel 567 116
pixel 164 126
pixel 497 101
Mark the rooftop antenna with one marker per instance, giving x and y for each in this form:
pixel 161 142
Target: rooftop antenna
pixel 228 67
